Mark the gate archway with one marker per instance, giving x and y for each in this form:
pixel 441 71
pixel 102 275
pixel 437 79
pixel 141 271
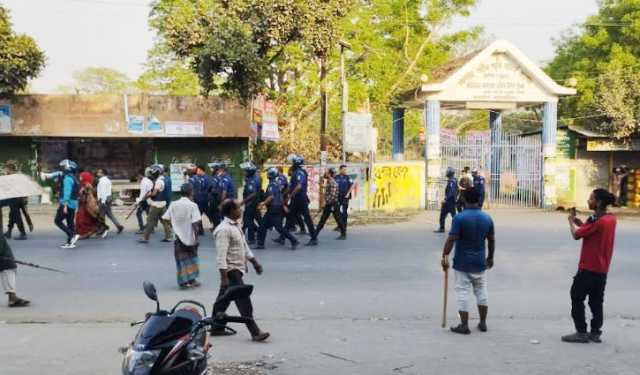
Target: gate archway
pixel 497 78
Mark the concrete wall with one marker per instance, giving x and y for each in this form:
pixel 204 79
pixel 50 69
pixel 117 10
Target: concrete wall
pixel 104 115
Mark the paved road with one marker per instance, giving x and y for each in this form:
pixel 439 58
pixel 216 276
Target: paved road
pixel 374 300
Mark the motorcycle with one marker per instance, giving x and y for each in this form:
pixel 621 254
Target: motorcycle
pixel 176 342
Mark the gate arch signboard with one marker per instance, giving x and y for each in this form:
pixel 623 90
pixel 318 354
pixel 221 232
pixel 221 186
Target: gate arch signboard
pixel 497 78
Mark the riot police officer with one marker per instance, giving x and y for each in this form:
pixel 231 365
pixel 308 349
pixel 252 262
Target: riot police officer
pixel 251 196
pixel 227 186
pixel 478 184
pixel 299 200
pixel 201 184
pixel 449 202
pixel 274 202
pixel 213 211
pixel 345 188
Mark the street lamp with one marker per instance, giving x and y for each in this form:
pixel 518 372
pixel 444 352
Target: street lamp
pixel 345 92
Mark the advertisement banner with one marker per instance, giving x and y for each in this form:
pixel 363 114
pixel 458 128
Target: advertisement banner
pixel 154 126
pixel 184 129
pixel 176 172
pixel 135 125
pixel 5 119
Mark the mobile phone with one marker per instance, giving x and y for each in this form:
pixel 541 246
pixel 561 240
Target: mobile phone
pixel 573 211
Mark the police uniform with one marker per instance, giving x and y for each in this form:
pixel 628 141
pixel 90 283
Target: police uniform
pixel 214 200
pixel 344 186
pixel 201 187
pixel 299 202
pixel 479 184
pixel 449 206
pixel 273 217
pixel 252 185
pixel 227 186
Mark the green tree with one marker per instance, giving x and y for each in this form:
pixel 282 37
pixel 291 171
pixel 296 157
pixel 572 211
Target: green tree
pixel 166 74
pixel 20 58
pixel 602 57
pixel 100 80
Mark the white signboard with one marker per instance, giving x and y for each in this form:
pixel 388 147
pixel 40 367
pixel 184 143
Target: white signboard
pixel 270 128
pixel 183 129
pixel 357 128
pixel 176 172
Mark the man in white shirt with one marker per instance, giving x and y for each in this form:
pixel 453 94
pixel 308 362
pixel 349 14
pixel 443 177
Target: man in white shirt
pixel 146 185
pixel 157 207
pixel 185 219
pixel 105 201
pixel 233 255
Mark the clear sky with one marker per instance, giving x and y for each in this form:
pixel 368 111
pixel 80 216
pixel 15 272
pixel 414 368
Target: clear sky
pixel 114 33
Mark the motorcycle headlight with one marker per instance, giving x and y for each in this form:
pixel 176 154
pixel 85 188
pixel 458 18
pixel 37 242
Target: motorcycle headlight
pixel 140 359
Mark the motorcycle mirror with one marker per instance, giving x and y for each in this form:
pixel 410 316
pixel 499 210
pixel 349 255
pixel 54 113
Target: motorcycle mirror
pixel 150 291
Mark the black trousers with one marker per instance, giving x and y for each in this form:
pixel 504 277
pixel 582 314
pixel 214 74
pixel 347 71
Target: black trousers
pixel 344 211
pixel 15 215
pixel 297 209
pixel 69 228
pixel 446 209
pixel 214 211
pixel 591 284
pixel 244 304
pixel 250 220
pixel 273 219
pixel 330 209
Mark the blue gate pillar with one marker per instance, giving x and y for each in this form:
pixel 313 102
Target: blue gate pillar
pixel 549 131
pixel 397 134
pixel 495 122
pixel 432 153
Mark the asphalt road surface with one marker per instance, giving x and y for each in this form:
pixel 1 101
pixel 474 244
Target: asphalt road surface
pixel 368 305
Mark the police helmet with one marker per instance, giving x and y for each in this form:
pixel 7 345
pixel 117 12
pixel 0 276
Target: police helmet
pixel 155 171
pixel 450 172
pixel 68 165
pixel 223 165
pixel 272 172
pixel 297 160
pixel 147 172
pixel 474 171
pixel 248 167
pixel 214 165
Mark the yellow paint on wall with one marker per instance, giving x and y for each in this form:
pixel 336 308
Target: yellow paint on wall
pixel 397 186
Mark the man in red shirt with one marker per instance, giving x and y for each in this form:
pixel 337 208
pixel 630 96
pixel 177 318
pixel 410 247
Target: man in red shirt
pixel 597 235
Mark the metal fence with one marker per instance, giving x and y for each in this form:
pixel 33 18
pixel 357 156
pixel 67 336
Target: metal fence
pixel 512 166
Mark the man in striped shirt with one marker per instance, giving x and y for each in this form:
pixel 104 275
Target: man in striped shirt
pixel 331 207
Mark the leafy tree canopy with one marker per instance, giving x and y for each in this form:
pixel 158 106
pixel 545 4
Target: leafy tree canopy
pixel 603 57
pixel 20 58
pixel 99 80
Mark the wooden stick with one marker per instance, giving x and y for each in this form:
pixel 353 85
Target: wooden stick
pixel 446 294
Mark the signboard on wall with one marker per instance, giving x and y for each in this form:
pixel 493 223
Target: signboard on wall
pixel 357 128
pixel 5 119
pixel 566 144
pixel 135 125
pixel 184 129
pixel 613 145
pixel 176 172
pixel 154 126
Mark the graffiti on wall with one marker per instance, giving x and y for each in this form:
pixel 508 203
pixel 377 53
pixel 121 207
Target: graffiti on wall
pixel 397 186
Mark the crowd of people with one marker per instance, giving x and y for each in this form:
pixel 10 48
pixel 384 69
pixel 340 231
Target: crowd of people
pixel 85 204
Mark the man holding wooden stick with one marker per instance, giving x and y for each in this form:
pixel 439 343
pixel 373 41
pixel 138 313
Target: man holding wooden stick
pixel 469 231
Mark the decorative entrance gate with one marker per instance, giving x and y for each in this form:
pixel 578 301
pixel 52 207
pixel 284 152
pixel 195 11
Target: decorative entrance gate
pixel 518 180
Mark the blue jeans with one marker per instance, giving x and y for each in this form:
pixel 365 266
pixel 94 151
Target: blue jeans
pixel 69 228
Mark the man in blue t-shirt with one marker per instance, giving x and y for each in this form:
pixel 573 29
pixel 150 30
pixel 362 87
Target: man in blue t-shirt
pixel 469 231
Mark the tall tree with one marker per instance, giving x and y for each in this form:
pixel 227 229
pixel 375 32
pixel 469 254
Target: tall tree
pixel 20 58
pixel 166 74
pixel 603 57
pixel 100 80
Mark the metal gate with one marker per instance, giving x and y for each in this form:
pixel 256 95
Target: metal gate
pixel 512 166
